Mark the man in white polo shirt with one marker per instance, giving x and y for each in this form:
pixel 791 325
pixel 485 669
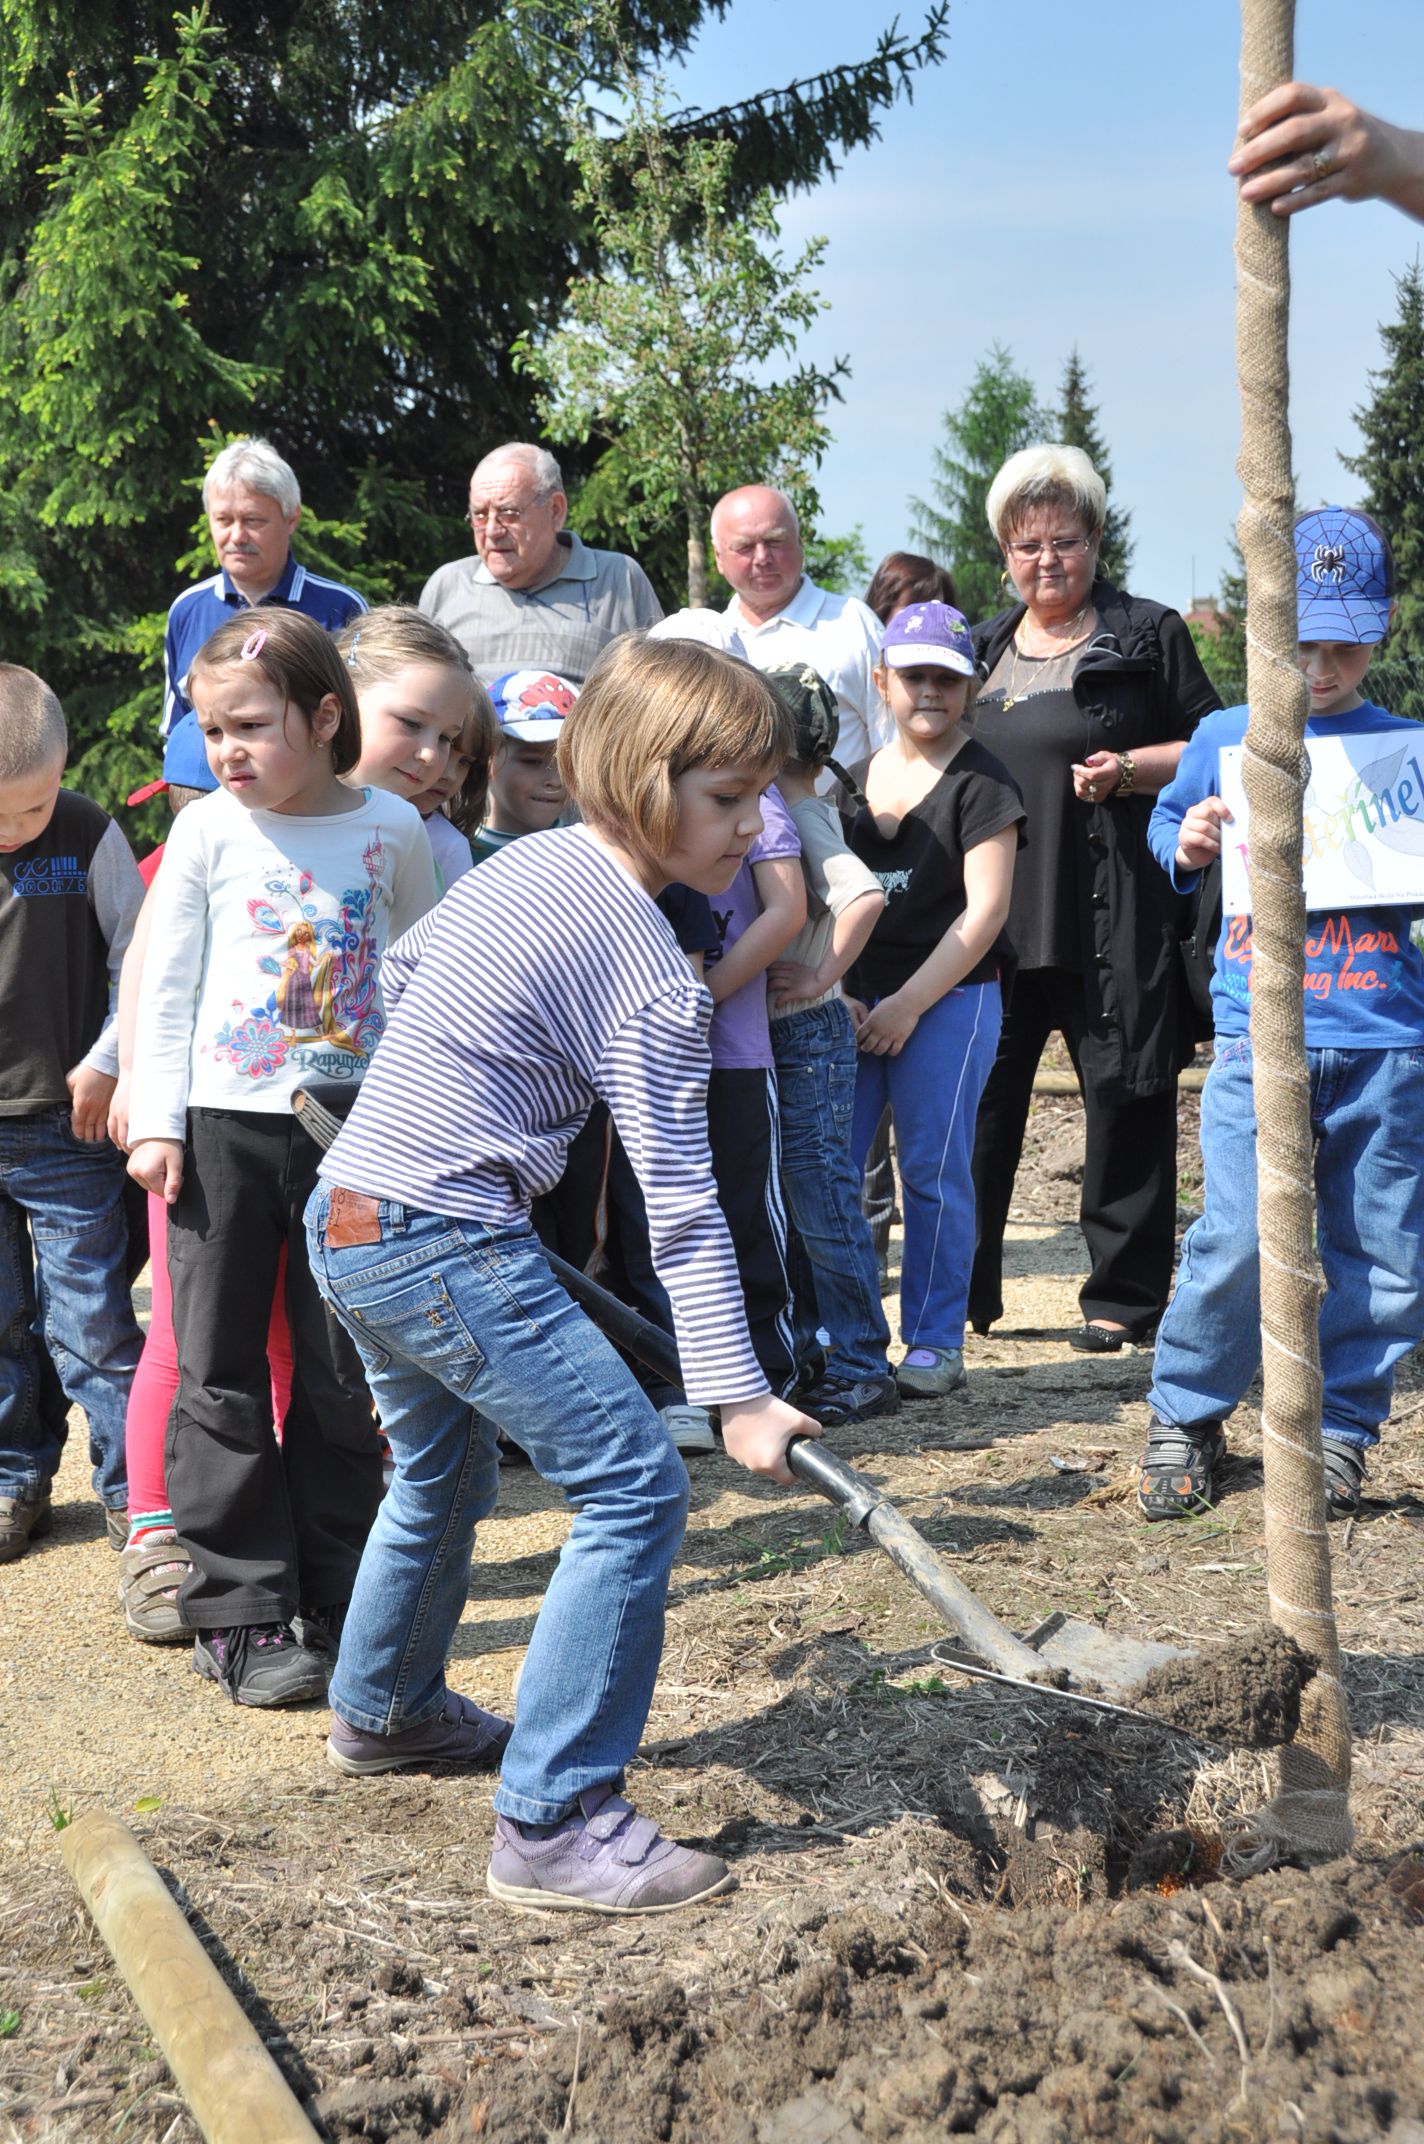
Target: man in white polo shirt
pixel 780 616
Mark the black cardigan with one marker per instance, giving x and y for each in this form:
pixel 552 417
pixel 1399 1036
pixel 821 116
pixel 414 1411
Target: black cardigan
pixel 1140 682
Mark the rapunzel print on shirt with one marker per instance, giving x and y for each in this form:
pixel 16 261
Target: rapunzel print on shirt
pixel 322 1009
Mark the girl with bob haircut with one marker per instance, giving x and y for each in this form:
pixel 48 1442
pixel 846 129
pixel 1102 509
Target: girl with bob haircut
pixel 661 708
pixel 545 981
pixel 267 922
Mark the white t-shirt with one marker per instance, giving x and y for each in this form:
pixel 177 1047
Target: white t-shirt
pixel 264 952
pixel 451 849
pixel 839 637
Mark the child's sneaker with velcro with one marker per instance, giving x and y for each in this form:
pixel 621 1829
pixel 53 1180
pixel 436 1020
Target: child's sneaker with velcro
pixel 1344 1478
pixel 833 1403
pixel 261 1664
pixel 459 1733
pixel 604 1858
pixel 1179 1469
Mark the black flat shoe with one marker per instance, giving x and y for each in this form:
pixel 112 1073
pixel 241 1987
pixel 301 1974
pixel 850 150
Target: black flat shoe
pixel 1098 1340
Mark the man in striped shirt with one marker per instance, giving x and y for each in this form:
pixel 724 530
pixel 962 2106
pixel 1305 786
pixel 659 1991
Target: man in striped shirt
pixel 253 503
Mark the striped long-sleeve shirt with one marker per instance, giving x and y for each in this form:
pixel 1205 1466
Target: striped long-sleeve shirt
pixel 543 981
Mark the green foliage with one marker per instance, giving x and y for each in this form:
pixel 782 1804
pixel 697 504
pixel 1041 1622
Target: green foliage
pixel 1392 425
pixel 999 414
pixel 811 1549
pixel 1223 654
pixel 9 2024
pixel 667 352
pixel 325 224
pixel 1076 424
pixel 840 563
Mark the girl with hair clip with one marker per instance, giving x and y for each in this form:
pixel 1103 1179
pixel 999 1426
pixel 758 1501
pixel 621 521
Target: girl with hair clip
pixel 277 897
pixel 547 980
pixel 428 729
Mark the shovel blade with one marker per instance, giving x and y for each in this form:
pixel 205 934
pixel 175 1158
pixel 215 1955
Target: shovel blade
pixel 1101 1659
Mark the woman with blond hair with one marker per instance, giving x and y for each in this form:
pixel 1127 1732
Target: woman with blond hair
pixel 1089 696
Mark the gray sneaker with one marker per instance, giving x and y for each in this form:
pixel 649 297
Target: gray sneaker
pixel 604 1859
pixel 460 1733
pixel 927 1373
pixel 22 1520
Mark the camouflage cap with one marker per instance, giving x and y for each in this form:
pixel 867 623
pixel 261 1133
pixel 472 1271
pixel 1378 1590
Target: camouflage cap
pixel 812 706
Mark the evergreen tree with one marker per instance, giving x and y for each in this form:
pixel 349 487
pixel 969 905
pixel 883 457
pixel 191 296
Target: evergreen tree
pixel 1223 653
pixel 1392 458
pixel 999 414
pixel 329 225
pixel 1076 425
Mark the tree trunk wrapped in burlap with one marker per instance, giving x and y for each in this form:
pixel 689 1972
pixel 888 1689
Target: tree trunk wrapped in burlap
pixel 1309 1814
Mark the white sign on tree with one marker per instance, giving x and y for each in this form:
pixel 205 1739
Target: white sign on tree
pixel 1364 824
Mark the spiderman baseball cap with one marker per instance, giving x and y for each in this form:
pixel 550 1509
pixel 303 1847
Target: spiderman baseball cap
pixel 1344 576
pixel 532 704
pixel 929 633
pixel 185 762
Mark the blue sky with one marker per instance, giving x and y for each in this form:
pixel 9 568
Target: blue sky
pixel 1058 180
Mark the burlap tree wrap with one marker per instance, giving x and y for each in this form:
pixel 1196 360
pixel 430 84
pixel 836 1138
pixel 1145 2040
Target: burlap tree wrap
pixel 1309 1814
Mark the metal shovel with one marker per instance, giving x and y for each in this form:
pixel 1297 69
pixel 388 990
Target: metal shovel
pixel 1062 1653
pixel 1054 1660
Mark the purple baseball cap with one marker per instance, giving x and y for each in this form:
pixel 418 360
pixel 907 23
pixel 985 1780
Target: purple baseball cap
pixel 929 633
pixel 1344 576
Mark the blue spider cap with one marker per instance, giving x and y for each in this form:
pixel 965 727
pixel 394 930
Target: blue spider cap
pixel 1344 576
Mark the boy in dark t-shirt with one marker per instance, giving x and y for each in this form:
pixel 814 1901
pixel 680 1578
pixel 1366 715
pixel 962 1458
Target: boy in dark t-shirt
pixel 69 893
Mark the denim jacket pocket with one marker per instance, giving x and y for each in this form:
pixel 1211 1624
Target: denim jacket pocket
pixel 420 1324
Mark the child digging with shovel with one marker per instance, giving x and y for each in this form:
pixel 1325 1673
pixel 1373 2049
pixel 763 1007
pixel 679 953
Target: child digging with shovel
pixel 546 980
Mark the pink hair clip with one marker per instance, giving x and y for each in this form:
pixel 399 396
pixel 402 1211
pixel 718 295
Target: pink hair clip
pixel 253 645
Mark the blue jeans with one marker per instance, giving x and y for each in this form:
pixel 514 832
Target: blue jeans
pixel 72 1193
pixel 450 1318
pixel 815 1079
pixel 1367 1112
pixel 933 1088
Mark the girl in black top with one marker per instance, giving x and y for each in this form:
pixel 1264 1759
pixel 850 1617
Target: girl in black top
pixel 939 827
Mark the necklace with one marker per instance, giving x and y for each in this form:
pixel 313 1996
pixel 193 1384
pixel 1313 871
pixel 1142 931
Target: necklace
pixel 1013 695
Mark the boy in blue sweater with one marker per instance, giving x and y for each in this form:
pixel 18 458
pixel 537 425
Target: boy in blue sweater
pixel 1364 1035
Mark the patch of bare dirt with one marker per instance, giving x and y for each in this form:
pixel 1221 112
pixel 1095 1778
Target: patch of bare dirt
pixel 960 1910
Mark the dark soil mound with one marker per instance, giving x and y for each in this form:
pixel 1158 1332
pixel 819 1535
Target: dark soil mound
pixel 1241 1694
pixel 1031 2028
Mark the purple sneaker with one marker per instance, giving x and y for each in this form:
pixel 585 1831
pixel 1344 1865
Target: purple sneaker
pixel 603 1859
pixel 460 1733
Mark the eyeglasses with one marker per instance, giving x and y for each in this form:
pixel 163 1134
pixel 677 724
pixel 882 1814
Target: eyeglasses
pixel 507 517
pixel 1031 547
